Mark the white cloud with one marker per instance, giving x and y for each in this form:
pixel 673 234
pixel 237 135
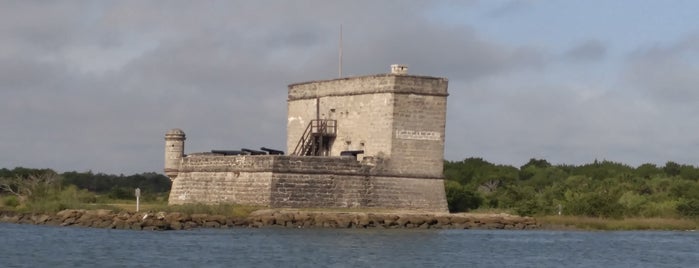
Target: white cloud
pixel 94 85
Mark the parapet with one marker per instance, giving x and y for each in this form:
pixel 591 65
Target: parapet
pixel 175 133
pixel 371 84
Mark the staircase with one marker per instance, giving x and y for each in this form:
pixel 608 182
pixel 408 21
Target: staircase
pixel 318 135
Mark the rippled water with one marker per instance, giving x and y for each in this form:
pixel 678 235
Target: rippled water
pixel 47 246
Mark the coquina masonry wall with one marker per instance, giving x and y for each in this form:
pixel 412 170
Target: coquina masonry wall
pixel 295 181
pixel 399 118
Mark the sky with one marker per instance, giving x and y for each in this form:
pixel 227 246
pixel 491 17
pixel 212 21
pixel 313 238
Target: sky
pixel 94 85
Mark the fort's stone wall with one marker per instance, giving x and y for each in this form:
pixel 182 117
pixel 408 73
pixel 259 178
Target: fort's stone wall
pixel 418 135
pixel 398 121
pixel 295 181
pixel 347 191
pixel 364 122
pixel 399 118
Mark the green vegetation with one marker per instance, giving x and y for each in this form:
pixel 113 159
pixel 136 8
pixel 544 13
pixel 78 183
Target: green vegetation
pixel 602 189
pixel 44 190
pixel 599 195
pixel 228 210
pixel 592 223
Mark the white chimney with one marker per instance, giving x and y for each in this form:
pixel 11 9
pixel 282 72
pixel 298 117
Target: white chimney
pixel 399 69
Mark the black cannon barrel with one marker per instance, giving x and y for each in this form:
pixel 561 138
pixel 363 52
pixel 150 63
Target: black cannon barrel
pixel 227 152
pixel 272 151
pixel 253 152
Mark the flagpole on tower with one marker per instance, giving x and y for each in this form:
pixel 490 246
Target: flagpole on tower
pixel 339 71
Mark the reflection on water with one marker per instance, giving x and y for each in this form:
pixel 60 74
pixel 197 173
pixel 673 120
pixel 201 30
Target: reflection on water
pixel 32 246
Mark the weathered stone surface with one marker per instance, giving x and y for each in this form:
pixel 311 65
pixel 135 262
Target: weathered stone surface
pixel 399 117
pixel 299 190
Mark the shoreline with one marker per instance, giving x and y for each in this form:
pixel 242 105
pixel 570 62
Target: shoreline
pixel 288 218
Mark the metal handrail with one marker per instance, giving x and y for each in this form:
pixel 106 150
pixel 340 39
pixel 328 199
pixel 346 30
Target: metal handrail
pixel 316 128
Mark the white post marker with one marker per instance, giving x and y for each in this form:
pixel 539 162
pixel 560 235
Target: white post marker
pixel 138 198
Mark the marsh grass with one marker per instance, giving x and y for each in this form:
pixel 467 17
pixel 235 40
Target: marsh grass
pixel 591 223
pixel 229 210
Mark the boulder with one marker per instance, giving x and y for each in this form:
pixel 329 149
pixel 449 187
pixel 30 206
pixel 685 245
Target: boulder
pixel 175 225
pixel 199 218
pixel 211 224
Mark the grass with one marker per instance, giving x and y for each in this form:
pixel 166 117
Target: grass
pixel 229 210
pixel 591 223
pixel 61 202
pixel 491 211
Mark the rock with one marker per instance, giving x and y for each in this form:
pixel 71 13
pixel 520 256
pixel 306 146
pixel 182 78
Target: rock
pixel 175 225
pixel 135 226
pixel 160 215
pixel 102 218
pixel 199 218
pixel 102 224
pixel 301 217
pixel 87 219
pixel 68 222
pixel 362 221
pixel 217 218
pixel 124 215
pixel 211 224
pixel 176 217
pixel 150 228
pixel 236 222
pixel 40 219
pixel 10 219
pixel 119 224
pixel 63 215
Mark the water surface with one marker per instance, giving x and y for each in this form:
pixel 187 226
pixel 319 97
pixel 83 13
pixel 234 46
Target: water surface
pixel 49 246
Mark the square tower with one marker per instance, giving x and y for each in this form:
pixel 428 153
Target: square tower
pixel 396 118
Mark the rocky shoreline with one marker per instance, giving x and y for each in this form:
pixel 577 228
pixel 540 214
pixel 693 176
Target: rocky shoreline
pixel 270 218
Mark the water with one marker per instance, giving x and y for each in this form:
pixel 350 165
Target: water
pixel 48 246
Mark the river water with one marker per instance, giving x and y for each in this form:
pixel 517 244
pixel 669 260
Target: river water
pixel 50 246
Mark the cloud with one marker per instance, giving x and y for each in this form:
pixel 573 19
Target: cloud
pixel 668 73
pixel 558 122
pixel 510 7
pixel 95 86
pixel 590 50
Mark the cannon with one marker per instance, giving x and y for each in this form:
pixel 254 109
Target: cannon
pixel 272 151
pixel 253 152
pixel 226 152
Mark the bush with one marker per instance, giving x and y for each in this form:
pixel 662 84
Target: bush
pixel 460 199
pixel 688 208
pixel 74 195
pixel 121 193
pixel 10 201
pixel 593 204
pixel 528 207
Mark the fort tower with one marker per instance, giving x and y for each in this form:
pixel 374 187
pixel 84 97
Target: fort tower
pixel 396 117
pixel 174 151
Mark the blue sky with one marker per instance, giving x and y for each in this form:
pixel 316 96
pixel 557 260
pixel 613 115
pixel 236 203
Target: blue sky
pixel 94 85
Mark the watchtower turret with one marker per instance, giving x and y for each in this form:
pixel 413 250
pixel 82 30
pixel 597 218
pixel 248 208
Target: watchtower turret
pixel 174 151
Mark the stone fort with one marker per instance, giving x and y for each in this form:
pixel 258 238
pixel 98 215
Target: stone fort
pixel 372 141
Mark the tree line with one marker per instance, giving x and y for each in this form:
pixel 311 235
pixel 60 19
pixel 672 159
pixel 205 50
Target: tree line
pixel 45 187
pixel 598 189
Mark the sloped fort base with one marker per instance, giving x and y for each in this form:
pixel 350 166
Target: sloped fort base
pixel 302 181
